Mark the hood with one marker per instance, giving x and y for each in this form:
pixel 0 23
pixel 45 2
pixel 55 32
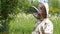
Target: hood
pixel 46 6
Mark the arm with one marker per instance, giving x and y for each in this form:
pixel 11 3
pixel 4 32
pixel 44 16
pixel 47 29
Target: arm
pixel 42 31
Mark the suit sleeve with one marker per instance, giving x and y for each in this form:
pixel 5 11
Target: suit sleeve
pixel 49 29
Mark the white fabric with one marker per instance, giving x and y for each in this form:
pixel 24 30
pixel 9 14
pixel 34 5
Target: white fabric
pixel 45 2
pixel 47 26
pixel 47 8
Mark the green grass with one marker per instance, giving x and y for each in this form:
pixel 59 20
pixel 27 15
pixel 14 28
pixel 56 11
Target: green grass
pixel 24 24
pixel 56 23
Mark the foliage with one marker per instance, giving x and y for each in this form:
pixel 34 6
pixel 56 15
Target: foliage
pixel 24 24
pixel 54 10
pixel 54 6
pixel 24 5
pixel 8 7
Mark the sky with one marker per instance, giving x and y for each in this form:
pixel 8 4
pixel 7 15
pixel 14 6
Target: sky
pixel 43 0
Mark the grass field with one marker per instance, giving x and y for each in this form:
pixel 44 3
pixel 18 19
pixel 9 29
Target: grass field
pixel 24 24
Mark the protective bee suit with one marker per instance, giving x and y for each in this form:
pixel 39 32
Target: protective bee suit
pixel 45 26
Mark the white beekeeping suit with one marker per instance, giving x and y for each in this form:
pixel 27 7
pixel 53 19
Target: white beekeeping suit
pixel 45 24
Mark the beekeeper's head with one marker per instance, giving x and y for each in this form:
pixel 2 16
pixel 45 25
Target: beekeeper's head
pixel 42 9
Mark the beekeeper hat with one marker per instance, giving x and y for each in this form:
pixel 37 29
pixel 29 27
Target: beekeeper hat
pixel 46 6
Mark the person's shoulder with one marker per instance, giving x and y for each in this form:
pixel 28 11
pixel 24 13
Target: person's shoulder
pixel 48 21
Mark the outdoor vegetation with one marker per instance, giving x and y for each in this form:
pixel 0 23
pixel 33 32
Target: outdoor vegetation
pixel 16 16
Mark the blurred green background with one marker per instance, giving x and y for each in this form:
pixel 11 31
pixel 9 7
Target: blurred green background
pixel 16 16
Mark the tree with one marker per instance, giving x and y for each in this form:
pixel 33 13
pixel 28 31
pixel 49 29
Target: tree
pixel 8 7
